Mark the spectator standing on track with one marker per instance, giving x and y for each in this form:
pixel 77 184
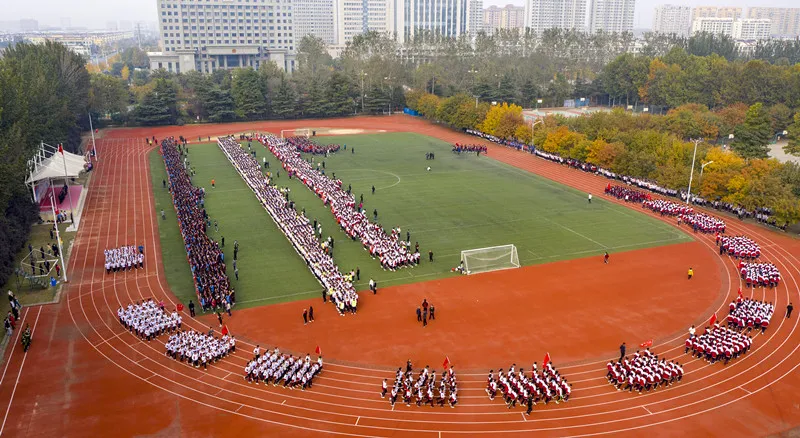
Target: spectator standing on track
pixel 228 307
pixel 690 273
pixel 424 319
pixel 305 316
pixel 311 313
pixel 219 317
pixel 605 258
pixel 692 332
pixel 789 309
pixel 408 366
pixel 419 315
pixel 372 285
pixel 433 316
pixel 424 307
pixel 622 351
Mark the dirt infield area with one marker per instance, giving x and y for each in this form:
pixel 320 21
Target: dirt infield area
pixel 85 375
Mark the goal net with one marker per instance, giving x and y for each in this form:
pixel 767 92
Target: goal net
pixel 493 258
pixel 299 132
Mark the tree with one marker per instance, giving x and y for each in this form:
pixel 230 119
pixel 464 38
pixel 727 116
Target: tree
pixel 339 95
pixel 496 118
pixel 313 102
pixel 219 105
pixel 159 106
pixel 284 103
pixel 780 117
pixel 427 105
pixel 248 96
pixel 752 137
pixel 108 95
pixel 793 144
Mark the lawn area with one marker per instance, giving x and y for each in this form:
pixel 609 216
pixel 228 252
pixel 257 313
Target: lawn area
pixel 269 269
pixel 27 295
pixel 464 202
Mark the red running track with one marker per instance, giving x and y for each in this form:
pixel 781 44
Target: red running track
pixel 85 375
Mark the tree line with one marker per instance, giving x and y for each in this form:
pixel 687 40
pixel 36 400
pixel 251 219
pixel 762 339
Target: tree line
pixel 44 96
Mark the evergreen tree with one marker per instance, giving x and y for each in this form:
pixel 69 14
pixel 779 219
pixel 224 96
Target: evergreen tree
pixel 248 95
pixel 339 94
pixel 219 104
pixel 793 146
pixel 284 100
pixel 377 100
pixel 313 102
pixel 752 137
pixel 159 106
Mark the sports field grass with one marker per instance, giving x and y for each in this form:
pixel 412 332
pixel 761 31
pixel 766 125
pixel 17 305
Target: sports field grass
pixel 464 202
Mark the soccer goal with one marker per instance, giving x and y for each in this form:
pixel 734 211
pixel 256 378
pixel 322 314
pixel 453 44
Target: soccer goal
pixel 493 258
pixel 300 132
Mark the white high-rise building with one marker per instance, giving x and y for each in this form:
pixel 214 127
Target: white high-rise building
pixel 752 29
pixel 447 18
pixel 672 19
pixel 541 15
pixel 354 17
pixel 215 34
pixel 315 17
pixel 716 12
pixel 611 15
pixel 474 16
pixel 713 25
pixel 785 21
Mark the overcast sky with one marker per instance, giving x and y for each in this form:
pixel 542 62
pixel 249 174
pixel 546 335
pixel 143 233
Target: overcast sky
pixel 95 14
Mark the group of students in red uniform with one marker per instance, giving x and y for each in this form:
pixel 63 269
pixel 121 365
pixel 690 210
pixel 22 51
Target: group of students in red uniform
pixel 462 148
pixel 702 222
pixel 205 255
pixel 644 371
pixel 718 343
pixel 308 146
pixel 667 208
pixel 282 369
pixel 739 247
pixel 517 386
pixel 627 194
pixel 392 251
pixel 747 314
pixel 294 225
pixel 422 389
pixel 759 274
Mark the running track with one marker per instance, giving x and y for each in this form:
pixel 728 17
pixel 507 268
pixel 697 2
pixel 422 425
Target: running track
pixel 85 375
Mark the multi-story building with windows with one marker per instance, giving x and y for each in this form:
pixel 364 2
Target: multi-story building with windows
pixel 507 17
pixel 785 22
pixel 713 25
pixel 752 29
pixel 207 35
pixel 672 19
pixel 541 15
pixel 475 16
pixel 315 17
pixel 448 18
pixel 611 15
pixel 716 12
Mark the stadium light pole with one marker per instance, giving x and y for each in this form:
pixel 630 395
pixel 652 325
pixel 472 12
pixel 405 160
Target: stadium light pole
pixel 362 90
pixel 703 167
pixel 94 147
pixel 532 131
pixel 691 173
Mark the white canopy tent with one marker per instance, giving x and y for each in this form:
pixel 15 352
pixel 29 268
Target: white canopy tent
pixel 50 164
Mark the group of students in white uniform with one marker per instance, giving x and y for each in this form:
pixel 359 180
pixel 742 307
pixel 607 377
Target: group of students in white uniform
pixel 750 314
pixel 644 371
pixel 667 208
pixel 739 247
pixel 518 387
pixel 390 249
pixel 282 369
pixel 718 343
pixel 294 225
pixel 759 274
pixel 422 390
pixel 703 222
pixel 199 349
pixel 124 258
pixel 148 320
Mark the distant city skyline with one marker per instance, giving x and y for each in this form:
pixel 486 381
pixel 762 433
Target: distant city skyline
pixel 95 15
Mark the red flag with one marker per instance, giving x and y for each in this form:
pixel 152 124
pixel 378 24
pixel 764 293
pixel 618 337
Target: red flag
pixel 646 344
pixel 225 330
pixel 446 362
pixel 318 350
pixel 713 319
pixel 546 359
pixel 60 149
pixel 180 307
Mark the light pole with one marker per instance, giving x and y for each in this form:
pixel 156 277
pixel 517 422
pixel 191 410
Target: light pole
pixel 391 92
pixel 703 167
pixel 532 131
pixel 691 173
pixel 362 90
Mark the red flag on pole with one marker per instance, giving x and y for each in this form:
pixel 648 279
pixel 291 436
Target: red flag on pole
pixel 225 330
pixel 546 359
pixel 60 149
pixel 646 344
pixel 740 291
pixel 713 319
pixel 446 362
pixel 318 350
pixel 180 307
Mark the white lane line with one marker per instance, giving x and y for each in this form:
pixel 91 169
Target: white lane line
pixel 19 374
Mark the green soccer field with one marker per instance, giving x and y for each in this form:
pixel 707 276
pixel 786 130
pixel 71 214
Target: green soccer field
pixel 463 202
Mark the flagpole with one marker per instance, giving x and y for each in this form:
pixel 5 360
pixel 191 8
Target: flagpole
pixel 58 236
pixel 94 147
pixel 66 181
